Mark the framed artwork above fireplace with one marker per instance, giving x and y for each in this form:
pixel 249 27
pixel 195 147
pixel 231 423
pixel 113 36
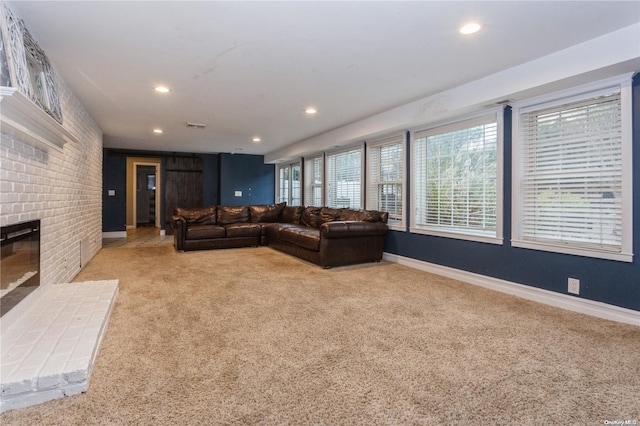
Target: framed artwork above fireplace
pixel 29 69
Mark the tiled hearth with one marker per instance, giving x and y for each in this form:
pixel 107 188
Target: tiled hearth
pixel 48 351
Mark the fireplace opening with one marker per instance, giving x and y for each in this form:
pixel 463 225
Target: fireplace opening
pixel 19 263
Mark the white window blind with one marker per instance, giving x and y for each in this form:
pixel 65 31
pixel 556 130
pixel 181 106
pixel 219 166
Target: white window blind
pixel 455 178
pixel 344 178
pixel 385 178
pixel 313 178
pixel 571 182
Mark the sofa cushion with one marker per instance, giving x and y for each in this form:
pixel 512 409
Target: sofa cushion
pixel 291 214
pixel 301 236
pixel 197 215
pixel 237 230
pixel 311 217
pixel 361 215
pixel 266 213
pixel 328 214
pixel 232 214
pixel 204 232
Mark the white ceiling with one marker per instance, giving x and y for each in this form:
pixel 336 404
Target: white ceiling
pixel 248 69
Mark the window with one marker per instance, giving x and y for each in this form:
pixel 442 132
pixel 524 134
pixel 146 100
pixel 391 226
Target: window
pixel 344 178
pixel 457 180
pixel 573 157
pixel 288 190
pixel 313 178
pixel 385 178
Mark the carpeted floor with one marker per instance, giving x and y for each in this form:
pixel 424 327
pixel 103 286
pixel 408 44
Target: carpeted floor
pixel 254 336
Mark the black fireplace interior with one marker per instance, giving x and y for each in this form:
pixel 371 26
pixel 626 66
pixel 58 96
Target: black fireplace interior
pixel 19 263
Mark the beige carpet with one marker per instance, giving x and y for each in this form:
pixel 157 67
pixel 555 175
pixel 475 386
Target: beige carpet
pixel 254 336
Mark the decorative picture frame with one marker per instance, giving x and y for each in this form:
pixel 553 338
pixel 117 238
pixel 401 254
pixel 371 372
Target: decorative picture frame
pixel 29 69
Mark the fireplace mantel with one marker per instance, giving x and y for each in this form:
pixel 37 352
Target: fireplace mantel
pixel 24 120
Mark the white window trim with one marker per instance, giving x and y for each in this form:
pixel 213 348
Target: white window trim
pixel 340 150
pixel 468 235
pixel 621 84
pixel 383 141
pixel 305 187
pixel 277 183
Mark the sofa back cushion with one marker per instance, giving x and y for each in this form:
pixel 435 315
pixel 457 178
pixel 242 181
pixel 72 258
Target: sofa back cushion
pixel 266 213
pixel 291 214
pixel 361 215
pixel 311 217
pixel 197 215
pixel 328 214
pixel 232 214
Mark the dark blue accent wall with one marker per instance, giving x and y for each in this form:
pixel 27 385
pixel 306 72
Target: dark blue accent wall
pixel 248 174
pixel 210 179
pixel 222 174
pixel 612 282
pixel 114 177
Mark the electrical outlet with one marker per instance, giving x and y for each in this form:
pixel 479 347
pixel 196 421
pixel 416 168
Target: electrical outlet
pixel 574 286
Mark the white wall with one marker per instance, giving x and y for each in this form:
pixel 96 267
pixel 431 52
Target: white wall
pixel 62 189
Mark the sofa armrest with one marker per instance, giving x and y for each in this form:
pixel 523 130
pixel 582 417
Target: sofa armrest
pixel 346 229
pixel 178 221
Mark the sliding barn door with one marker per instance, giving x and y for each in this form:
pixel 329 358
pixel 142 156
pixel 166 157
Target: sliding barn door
pixel 183 184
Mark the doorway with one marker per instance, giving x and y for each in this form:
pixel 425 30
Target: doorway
pixel 146 194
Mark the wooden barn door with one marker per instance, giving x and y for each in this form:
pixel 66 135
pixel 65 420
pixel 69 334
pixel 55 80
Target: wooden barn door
pixel 183 184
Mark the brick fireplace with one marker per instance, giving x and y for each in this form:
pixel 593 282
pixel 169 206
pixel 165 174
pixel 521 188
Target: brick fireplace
pixel 19 263
pixel 51 171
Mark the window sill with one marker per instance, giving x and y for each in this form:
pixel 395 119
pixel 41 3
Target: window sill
pixel 458 236
pixel 621 257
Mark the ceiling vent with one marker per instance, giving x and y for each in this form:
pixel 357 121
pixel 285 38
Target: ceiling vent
pixel 196 125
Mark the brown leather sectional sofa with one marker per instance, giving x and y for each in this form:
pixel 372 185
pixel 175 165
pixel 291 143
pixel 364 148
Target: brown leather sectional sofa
pixel 321 235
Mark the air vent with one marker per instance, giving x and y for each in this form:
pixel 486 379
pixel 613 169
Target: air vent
pixel 196 125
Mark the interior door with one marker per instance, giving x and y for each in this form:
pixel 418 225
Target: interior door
pixel 183 184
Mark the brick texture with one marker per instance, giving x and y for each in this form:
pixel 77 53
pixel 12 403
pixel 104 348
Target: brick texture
pixel 62 189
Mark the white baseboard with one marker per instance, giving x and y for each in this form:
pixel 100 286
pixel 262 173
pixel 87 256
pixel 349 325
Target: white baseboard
pixel 116 234
pixel 572 303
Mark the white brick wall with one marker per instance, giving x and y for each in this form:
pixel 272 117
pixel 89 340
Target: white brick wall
pixel 62 189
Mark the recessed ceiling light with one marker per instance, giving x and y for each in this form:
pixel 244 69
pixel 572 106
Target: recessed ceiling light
pixel 256 140
pixel 162 89
pixel 310 110
pixel 470 28
pixel 157 130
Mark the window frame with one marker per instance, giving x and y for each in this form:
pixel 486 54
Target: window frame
pixel 371 184
pixel 351 148
pixel 492 115
pixel 309 186
pixel 290 166
pixel 620 84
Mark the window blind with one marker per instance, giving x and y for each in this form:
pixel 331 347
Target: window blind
pixel 455 178
pixel 344 178
pixel 385 177
pixel 571 178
